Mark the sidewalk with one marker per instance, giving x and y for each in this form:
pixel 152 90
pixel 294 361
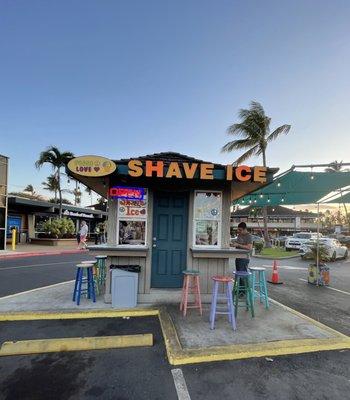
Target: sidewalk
pixel 28 250
pixel 277 331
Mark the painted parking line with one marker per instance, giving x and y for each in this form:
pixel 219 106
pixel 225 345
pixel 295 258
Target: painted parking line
pixel 287 267
pixel 329 287
pixel 180 384
pixel 35 265
pixel 35 290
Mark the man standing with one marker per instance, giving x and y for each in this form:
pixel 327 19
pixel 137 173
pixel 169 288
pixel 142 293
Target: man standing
pixel 244 241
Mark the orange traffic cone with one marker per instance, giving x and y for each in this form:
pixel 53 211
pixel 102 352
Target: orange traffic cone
pixel 274 276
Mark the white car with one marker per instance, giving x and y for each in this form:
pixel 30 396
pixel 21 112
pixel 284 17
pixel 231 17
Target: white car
pixel 298 239
pixel 334 248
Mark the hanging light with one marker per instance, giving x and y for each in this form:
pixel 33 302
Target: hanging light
pixel 255 201
pixel 250 201
pixel 312 176
pixel 279 184
pixel 282 199
pixel 261 195
pixel 273 210
pixel 268 200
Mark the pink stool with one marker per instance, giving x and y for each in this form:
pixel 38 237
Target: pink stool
pixel 191 284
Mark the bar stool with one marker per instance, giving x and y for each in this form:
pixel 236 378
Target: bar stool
pixel 93 263
pixel 191 286
pixel 227 282
pixel 89 281
pixel 101 269
pixel 259 284
pixel 242 285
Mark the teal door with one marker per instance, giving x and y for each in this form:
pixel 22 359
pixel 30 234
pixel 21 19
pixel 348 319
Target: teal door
pixel 169 239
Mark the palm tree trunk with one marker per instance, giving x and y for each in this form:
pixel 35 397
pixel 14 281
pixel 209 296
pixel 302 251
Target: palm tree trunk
pixel 265 214
pixel 59 191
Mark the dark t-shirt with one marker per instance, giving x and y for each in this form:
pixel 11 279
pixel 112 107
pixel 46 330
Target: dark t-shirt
pixel 245 238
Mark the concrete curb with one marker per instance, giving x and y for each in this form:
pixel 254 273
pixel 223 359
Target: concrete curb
pixel 177 355
pixel 74 344
pixel 275 258
pixel 41 253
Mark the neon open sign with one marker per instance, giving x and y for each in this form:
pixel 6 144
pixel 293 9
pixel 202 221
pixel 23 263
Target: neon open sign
pixel 127 193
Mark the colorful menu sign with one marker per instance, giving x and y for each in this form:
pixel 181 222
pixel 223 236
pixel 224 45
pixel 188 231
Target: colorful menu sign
pixel 127 193
pixel 91 166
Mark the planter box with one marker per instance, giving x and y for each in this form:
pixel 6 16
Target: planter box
pixel 53 242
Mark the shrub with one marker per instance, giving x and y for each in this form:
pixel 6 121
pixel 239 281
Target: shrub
pixel 59 228
pixel 258 246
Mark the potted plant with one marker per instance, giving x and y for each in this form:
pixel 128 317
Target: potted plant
pixel 318 269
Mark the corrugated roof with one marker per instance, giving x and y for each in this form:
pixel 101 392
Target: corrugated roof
pixel 166 157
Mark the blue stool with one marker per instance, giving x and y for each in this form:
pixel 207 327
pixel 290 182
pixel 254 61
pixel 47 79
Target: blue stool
pixel 242 288
pixel 227 281
pixel 89 281
pixel 259 282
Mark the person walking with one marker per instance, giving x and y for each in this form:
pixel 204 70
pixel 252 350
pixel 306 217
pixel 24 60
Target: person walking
pixel 83 235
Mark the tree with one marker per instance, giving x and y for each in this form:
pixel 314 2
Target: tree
pixel 57 159
pixel 335 166
pixel 51 184
pixel 30 189
pixel 253 135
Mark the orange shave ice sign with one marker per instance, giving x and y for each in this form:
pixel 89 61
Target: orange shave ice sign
pixel 92 166
pixel 203 171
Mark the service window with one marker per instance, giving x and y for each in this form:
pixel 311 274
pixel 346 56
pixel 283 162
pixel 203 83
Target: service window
pixel 207 218
pixel 132 222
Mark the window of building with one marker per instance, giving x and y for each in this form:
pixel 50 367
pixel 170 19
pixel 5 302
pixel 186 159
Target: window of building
pixel 207 218
pixel 132 222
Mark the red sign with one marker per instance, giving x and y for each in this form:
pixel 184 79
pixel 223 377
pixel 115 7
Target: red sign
pixel 127 193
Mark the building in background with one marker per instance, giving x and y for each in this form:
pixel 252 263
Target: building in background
pixel 28 215
pixel 3 199
pixel 281 220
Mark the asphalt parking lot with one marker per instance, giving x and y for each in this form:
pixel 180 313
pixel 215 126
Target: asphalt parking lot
pixel 144 373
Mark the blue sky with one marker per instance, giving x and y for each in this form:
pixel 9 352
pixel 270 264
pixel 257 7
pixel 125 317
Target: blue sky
pixel 127 78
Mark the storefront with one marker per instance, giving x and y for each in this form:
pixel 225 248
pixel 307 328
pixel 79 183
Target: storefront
pixel 167 212
pixel 28 216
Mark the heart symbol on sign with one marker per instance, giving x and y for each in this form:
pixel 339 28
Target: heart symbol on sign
pixel 96 169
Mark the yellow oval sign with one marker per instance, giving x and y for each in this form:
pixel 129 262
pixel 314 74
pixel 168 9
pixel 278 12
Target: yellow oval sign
pixel 91 166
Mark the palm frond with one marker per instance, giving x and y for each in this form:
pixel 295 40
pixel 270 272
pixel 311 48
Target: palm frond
pixel 238 145
pixel 283 129
pixel 251 152
pixel 246 130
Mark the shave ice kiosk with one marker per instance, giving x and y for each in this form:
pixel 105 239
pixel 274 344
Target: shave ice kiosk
pixel 167 212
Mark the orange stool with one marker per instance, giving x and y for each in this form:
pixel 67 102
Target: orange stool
pixel 191 286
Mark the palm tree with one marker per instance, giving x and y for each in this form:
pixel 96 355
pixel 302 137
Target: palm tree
pixel 51 184
pixel 52 155
pixel 30 189
pixel 335 166
pixel 253 135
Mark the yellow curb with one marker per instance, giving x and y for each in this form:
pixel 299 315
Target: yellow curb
pixel 177 355
pixel 42 315
pixel 74 344
pixel 276 348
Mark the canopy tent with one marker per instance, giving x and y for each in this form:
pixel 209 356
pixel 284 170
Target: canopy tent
pixel 299 187
pixel 339 198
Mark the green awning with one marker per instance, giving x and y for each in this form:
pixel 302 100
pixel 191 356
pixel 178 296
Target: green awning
pixel 345 198
pixel 297 187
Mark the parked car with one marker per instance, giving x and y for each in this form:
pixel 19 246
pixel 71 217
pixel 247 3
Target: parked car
pixel 334 248
pixel 343 239
pixel 280 241
pixel 294 242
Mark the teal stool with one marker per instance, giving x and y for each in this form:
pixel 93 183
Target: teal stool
pixel 242 291
pixel 101 269
pixel 259 286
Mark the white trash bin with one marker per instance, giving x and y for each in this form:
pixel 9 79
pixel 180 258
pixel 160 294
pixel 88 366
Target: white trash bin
pixel 125 281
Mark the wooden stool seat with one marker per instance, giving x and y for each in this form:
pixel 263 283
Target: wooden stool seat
pixel 80 280
pixel 229 310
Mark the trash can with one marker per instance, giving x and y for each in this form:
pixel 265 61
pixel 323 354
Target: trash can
pixel 23 237
pixel 318 276
pixel 125 281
